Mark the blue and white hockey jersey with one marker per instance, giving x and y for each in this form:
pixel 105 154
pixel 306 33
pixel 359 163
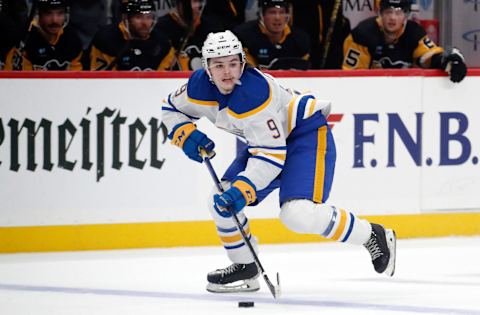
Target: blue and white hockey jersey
pixel 259 110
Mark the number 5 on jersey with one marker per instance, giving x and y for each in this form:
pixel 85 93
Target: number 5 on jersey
pixel 352 58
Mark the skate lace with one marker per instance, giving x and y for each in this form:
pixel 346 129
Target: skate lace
pixel 373 248
pixel 230 269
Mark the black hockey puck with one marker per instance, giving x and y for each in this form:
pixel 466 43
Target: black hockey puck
pixel 246 304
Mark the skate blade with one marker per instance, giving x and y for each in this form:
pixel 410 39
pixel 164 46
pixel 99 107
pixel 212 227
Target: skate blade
pixel 250 285
pixel 392 246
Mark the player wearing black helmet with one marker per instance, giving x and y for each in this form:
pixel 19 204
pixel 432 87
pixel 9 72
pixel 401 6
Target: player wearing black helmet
pixel 392 41
pixel 133 44
pixel 51 44
pixel 270 43
pixel 265 4
pixel 404 5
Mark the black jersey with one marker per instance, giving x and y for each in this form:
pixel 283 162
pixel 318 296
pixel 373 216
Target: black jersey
pixel 366 48
pixel 262 53
pixel 39 54
pixel 113 49
pixel 8 37
pixel 315 17
pixel 229 13
pixel 187 41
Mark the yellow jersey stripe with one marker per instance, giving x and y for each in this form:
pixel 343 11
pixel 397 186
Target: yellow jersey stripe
pixel 203 103
pixel 312 107
pixel 341 225
pixel 320 165
pixel 275 155
pixel 290 114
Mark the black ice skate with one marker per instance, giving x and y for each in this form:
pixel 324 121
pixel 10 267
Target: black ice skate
pixel 234 278
pixel 382 247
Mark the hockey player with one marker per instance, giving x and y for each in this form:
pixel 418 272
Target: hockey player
pixel 132 44
pixel 290 147
pixel 270 43
pixel 324 21
pixel 8 34
pixel 392 41
pixel 51 44
pixel 187 30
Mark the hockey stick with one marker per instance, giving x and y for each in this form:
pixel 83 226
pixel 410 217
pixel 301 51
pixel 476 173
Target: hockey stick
pixel 331 27
pixel 18 57
pixel 275 289
pixel 183 44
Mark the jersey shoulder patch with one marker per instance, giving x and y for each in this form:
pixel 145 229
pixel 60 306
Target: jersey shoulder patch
pixel 200 90
pixel 252 96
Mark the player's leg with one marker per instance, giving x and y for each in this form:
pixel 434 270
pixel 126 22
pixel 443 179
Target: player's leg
pixel 242 275
pixel 307 217
pixel 306 182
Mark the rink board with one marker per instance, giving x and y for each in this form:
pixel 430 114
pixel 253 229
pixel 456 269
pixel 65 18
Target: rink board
pixel 203 233
pixel 85 163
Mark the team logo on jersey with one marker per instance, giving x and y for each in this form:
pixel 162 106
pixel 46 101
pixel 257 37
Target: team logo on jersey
pixel 42 51
pixel 53 64
pixel 263 52
pixel 473 37
pixel 137 68
pixel 386 63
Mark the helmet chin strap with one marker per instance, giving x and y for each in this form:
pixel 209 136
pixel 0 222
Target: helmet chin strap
pixel 67 19
pixel 127 26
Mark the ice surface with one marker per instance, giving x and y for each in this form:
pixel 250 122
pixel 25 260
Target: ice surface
pixel 433 276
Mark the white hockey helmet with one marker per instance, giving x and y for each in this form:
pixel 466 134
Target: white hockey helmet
pixel 221 44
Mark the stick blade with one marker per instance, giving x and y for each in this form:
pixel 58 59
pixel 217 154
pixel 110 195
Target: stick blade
pixel 274 289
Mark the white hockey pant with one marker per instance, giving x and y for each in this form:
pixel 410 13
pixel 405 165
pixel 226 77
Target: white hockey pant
pixel 306 217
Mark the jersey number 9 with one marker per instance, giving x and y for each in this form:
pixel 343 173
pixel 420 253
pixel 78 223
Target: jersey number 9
pixel 273 127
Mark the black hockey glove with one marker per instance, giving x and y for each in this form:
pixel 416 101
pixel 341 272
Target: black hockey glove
pixel 454 64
